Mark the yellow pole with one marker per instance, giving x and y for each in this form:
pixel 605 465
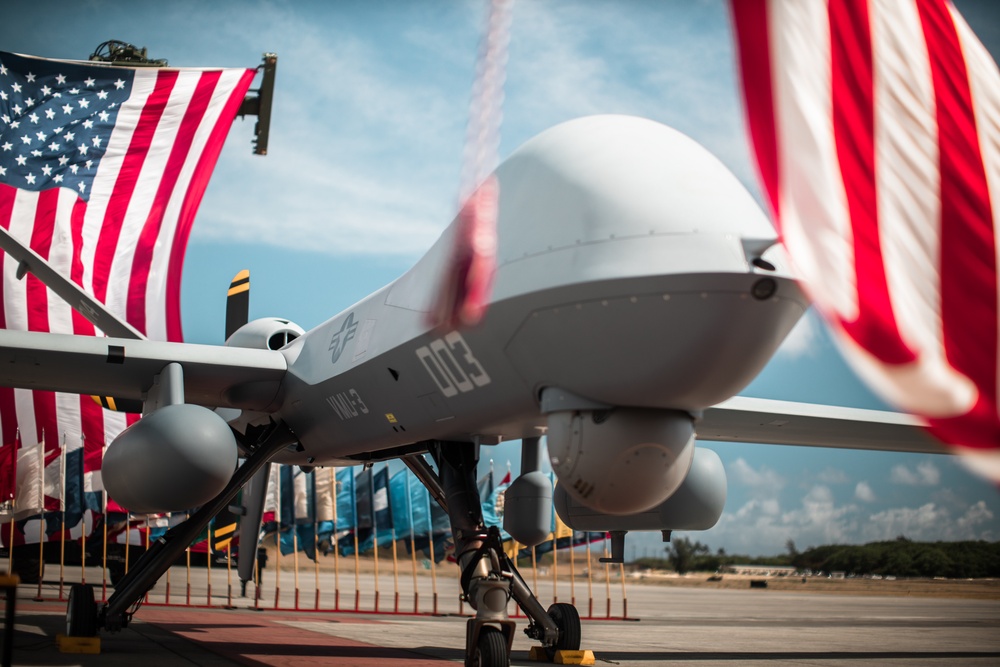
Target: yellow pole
pixel 334 543
pixel 607 578
pixel 187 553
pixel 83 547
pixel 336 569
pixel 434 578
pixel 277 559
pixel 128 535
pixel 295 560
pixel 517 550
pixel 621 571
pixel 413 558
pixel 62 518
pixel 590 583
pixel 62 550
pixel 316 561
pixel 375 550
pixel 208 561
pixel 395 578
pixel 167 597
pixel 357 576
pixel 229 574
pixel 41 518
pixel 555 568
pixel 572 569
pixel 277 540
pixel 147 547
pixel 104 552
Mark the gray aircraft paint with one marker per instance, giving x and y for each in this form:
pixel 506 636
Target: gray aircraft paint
pixel 625 275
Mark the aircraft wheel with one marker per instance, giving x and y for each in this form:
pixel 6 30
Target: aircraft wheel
pixel 491 649
pixel 567 619
pixel 81 611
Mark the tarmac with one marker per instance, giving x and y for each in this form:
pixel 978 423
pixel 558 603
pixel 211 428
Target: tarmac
pixel 666 626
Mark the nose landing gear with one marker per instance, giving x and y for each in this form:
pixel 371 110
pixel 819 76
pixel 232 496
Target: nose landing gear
pixel 489 577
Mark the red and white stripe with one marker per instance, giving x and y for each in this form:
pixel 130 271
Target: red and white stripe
pixel 125 245
pixel 876 128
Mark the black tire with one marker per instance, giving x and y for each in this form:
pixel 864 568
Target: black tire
pixel 567 619
pixel 491 649
pixel 81 611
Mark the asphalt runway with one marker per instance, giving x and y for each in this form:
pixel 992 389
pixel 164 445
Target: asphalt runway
pixel 670 626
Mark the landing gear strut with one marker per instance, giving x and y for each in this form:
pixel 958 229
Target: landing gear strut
pixel 489 577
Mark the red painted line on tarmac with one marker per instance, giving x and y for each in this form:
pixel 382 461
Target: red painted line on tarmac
pixel 253 639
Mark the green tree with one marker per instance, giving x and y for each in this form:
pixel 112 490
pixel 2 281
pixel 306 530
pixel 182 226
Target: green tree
pixel 683 554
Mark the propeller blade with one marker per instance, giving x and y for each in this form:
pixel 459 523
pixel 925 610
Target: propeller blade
pixel 238 302
pixel 119 404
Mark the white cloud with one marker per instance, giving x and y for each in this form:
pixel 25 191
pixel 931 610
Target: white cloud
pixel 762 478
pixel 803 339
pixel 926 474
pixel 833 476
pixel 930 522
pixel 863 492
pixel 369 120
pixel 761 527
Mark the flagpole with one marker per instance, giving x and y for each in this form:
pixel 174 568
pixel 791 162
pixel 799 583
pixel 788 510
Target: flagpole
pixel 335 543
pixel 62 518
pixel 41 518
pixel 590 582
pixel 315 518
pixel 277 540
pixel 13 503
pixel 395 561
pixel 572 568
pixel 128 536
pixel 167 594
pixel 395 573
pixel 413 544
pixel 209 538
pixel 187 552
pixel 555 566
pixel 357 556
pixel 147 547
pixel 430 544
pixel 621 571
pixel 229 574
pixel 83 517
pixel 295 549
pixel 104 549
pixel 371 481
pixel 316 559
pixel 607 578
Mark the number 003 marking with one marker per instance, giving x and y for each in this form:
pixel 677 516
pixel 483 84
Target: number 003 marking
pixel 452 366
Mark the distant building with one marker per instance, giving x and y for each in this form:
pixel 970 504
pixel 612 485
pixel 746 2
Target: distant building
pixel 761 570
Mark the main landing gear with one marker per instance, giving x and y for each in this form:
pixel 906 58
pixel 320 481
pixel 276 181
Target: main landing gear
pixel 489 577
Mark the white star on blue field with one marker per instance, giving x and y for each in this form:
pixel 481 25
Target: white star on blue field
pixel 362 174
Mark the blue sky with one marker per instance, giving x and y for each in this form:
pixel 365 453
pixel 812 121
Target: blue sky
pixel 362 174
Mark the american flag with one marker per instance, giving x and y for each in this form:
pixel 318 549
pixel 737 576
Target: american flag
pixel 102 169
pixel 876 128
